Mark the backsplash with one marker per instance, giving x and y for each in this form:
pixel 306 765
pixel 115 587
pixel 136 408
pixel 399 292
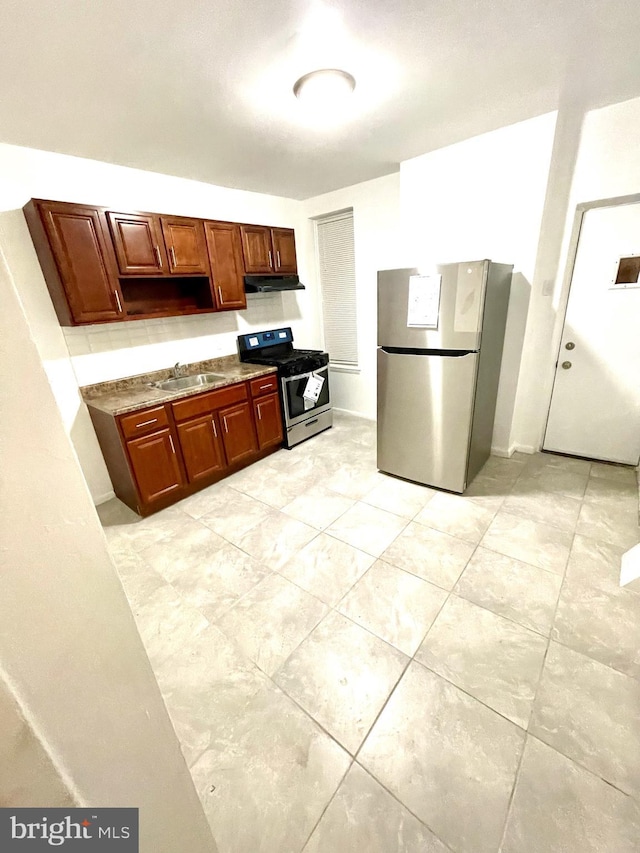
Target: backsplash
pixel 113 350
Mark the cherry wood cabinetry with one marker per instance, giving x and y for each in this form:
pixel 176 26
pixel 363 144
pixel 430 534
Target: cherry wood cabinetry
pixel 225 256
pixel 103 266
pixel 155 466
pixel 267 411
pixel 74 249
pixel 284 250
pixel 238 433
pixel 186 245
pixel 202 447
pixel 268 250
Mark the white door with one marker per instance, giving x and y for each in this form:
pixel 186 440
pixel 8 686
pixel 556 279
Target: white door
pixel 595 405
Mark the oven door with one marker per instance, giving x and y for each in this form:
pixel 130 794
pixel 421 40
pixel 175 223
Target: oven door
pixel 296 408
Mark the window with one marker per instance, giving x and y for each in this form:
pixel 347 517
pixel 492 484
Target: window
pixel 334 235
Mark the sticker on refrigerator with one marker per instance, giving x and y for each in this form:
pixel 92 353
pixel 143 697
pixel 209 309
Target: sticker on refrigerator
pixel 312 391
pixel 424 301
pixel 468 307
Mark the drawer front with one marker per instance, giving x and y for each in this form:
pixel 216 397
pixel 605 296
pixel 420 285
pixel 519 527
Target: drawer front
pixel 147 420
pixel 264 385
pixel 202 404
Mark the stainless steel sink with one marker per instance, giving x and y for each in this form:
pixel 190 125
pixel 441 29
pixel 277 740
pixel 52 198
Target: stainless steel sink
pixel 185 383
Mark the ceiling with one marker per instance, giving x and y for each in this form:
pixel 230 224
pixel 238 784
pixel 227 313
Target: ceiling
pixel 202 89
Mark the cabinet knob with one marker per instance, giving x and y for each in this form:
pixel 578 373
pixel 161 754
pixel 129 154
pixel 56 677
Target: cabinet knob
pixel 566 365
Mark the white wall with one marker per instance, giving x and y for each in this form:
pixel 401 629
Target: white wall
pixel 378 245
pixel 76 685
pixel 484 198
pixel 82 356
pixel 598 159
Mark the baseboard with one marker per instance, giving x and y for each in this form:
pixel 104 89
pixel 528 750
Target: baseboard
pixel 102 499
pixel 355 414
pixel 525 448
pixel 507 453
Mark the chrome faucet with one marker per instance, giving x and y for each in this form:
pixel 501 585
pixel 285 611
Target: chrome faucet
pixel 178 370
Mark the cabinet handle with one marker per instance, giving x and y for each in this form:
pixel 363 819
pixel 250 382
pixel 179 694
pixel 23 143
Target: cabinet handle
pixel 215 431
pixel 173 256
pixel 220 298
pixel 224 421
pixel 158 258
pixel 173 450
pixel 117 296
pixel 146 423
pixel 278 257
pixel 270 260
pixel 265 387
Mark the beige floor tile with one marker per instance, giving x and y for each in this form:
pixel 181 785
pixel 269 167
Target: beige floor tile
pixel 553 480
pixel 318 506
pixel 616 493
pixel 327 568
pixel 488 656
pixel 437 557
pixel 555 460
pixel 395 605
pixel 368 528
pixel 364 818
pixel 165 622
pixel 595 563
pixel 520 592
pixel 207 684
pixel 215 583
pixel 589 712
pixel 273 489
pixel 552 508
pixel 353 480
pixel 457 516
pixel 271 620
pixel 265 785
pixel 276 539
pixel 619 473
pixel 607 523
pixel 190 548
pixel 398 496
pixel 448 758
pixel 559 807
pixel 139 580
pixel 142 533
pixel 342 675
pixel 530 541
pixel 231 514
pixel 603 624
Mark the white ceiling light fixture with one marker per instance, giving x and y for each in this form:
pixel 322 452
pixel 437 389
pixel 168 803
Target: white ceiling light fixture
pixel 324 89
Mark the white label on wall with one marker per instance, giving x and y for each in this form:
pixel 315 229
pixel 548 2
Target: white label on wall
pixel 424 301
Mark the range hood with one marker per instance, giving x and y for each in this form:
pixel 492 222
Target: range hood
pixel 271 283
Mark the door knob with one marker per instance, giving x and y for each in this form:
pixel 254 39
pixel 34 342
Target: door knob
pixel 570 345
pixel 566 365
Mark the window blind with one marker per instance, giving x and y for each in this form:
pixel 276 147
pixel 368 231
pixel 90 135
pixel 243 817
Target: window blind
pixel 336 260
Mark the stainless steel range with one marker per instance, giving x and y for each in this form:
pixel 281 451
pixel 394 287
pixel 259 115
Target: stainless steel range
pixel 304 381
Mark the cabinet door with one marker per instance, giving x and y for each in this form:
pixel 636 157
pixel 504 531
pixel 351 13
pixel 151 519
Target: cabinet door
pixel 201 447
pixel 155 465
pixel 284 250
pixel 185 244
pixel 238 432
pixel 79 246
pixel 225 256
pixel 256 248
pixel 268 420
pixel 137 239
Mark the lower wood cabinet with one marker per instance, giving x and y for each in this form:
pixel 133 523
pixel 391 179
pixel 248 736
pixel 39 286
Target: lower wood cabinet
pixel 158 455
pixel 155 465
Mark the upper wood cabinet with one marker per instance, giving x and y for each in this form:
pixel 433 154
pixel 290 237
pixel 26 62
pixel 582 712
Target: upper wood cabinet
pixel 104 265
pixel 257 249
pixel 284 250
pixel 137 239
pixel 268 250
pixel 186 246
pixel 225 256
pixel 73 247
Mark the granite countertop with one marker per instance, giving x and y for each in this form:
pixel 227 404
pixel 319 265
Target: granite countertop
pixel 134 392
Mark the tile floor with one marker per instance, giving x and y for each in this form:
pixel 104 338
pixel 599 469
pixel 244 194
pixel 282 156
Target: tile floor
pixel 357 664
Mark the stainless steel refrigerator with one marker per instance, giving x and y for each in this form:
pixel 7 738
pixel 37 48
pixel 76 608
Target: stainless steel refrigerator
pixel 440 341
